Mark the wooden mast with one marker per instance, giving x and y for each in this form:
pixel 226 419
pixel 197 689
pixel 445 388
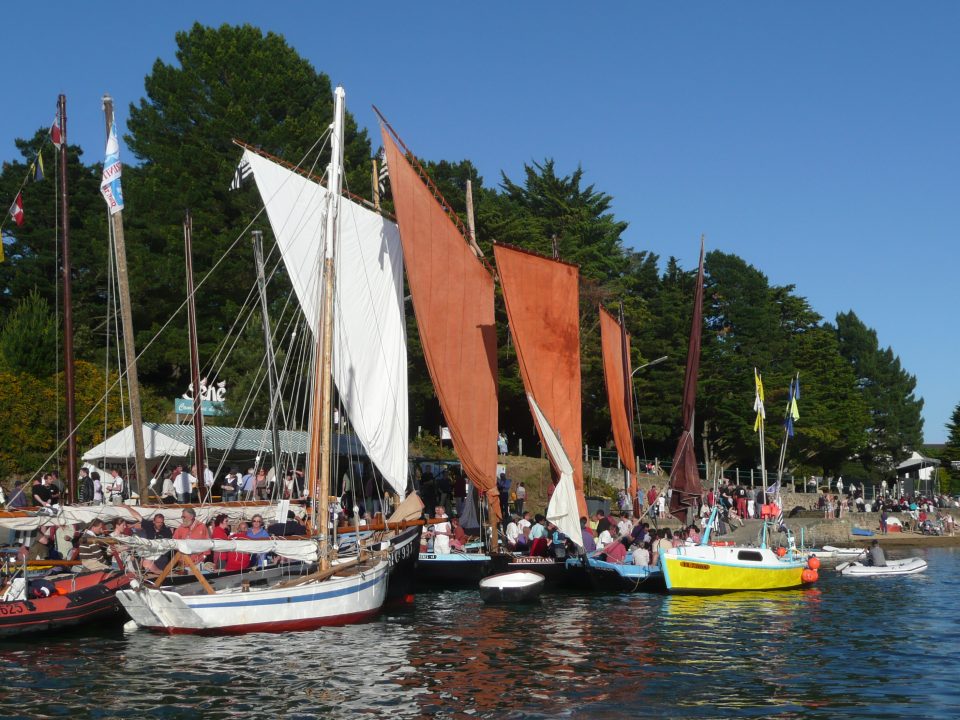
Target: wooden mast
pixel 198 453
pixel 129 346
pixel 321 417
pixel 68 369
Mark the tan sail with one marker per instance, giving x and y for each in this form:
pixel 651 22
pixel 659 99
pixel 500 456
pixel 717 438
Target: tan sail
pixel 453 301
pixel 543 307
pixel 615 346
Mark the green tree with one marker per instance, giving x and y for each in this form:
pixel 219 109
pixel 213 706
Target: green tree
pixel 895 426
pixel 228 82
pixel 951 450
pixel 29 337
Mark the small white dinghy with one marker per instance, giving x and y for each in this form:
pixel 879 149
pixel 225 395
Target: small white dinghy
pixel 907 566
pixel 512 587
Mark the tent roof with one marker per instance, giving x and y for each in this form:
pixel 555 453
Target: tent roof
pixel 169 439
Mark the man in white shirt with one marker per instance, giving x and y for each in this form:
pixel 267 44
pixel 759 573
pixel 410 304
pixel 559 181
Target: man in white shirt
pixel 513 532
pixel 183 482
pixel 115 488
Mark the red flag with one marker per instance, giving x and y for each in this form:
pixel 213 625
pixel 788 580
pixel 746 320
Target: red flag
pixel 16 210
pixel 55 134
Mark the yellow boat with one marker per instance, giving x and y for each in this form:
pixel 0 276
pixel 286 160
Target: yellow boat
pixel 717 569
pixel 720 567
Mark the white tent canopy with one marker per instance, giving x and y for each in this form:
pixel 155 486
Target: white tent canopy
pixel 119 447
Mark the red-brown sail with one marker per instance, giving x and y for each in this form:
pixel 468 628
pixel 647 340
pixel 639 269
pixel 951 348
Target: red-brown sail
pixel 453 301
pixel 615 347
pixel 543 307
pixel 684 475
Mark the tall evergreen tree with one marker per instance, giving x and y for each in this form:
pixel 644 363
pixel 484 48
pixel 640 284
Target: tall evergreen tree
pixel 896 426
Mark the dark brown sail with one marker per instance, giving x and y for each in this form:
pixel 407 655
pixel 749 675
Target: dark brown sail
pixel 685 485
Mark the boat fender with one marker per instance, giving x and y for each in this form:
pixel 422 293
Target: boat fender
pixel 809 576
pixel 813 563
pixel 781 551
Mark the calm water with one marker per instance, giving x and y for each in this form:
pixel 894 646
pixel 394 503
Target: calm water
pixel 853 648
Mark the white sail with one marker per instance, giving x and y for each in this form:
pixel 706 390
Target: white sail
pixel 370 346
pixel 562 510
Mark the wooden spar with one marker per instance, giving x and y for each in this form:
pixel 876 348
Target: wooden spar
pixel 198 453
pixel 628 392
pixel 321 416
pixel 129 346
pixel 376 184
pixel 471 224
pixel 68 369
pixel 268 345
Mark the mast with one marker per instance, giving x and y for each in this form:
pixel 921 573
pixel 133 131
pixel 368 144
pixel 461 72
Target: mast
pixel 68 370
pixel 321 420
pixel 198 453
pixel 268 344
pixel 126 316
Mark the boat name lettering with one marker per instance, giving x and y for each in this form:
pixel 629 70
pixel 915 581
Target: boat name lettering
pixel 530 560
pixel 401 553
pixel 693 565
pixel 11 609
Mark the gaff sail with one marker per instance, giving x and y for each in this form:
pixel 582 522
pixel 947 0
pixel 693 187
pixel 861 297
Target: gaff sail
pixel 453 300
pixel 615 346
pixel 543 307
pixel 369 337
pixel 684 475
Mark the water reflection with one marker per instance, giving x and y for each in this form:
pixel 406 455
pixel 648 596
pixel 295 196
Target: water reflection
pixel 858 649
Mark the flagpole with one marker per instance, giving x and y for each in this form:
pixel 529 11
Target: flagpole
pixel 129 347
pixel 68 367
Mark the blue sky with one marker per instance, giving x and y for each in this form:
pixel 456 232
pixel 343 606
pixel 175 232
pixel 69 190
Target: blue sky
pixel 816 140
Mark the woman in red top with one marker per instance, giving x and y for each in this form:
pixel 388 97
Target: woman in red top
pixel 220 531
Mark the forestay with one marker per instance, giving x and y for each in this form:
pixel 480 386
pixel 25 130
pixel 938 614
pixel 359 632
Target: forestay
pixel 370 355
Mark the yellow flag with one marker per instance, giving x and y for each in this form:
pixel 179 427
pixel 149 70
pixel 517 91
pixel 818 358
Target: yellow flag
pixel 758 402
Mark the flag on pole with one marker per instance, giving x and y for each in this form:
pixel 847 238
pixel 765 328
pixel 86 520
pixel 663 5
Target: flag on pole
pixel 758 402
pixel 384 173
pixel 56 134
pixel 38 168
pixel 16 210
pixel 110 183
pixel 793 412
pixel 242 172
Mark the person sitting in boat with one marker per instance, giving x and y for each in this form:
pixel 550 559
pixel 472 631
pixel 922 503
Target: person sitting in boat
pixel 191 529
pixel 458 539
pixel 589 544
pixel 640 555
pixel 512 533
pixel 288 528
pixel 93 554
pixel 693 535
pixel 156 529
pixel 615 552
pixel 875 556
pixel 523 540
pixel 607 535
pixel 42 547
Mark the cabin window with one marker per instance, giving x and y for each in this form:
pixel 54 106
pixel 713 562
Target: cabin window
pixel 749 555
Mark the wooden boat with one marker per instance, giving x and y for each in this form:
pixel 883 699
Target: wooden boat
pixel 554 571
pixel 454 569
pixel 601 576
pixel 907 566
pixel 60 601
pixel 340 590
pixel 521 586
pixel 350 592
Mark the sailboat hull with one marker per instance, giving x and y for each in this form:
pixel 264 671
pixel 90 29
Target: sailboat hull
pixel 452 569
pixel 339 600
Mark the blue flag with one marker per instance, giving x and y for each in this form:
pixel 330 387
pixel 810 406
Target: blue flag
pixel 110 183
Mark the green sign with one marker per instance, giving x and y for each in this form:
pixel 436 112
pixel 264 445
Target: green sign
pixel 184 406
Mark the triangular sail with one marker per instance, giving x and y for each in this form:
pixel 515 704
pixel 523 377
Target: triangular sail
pixel 370 348
pixel 684 475
pixel 543 306
pixel 563 510
pixel 615 346
pixel 453 301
